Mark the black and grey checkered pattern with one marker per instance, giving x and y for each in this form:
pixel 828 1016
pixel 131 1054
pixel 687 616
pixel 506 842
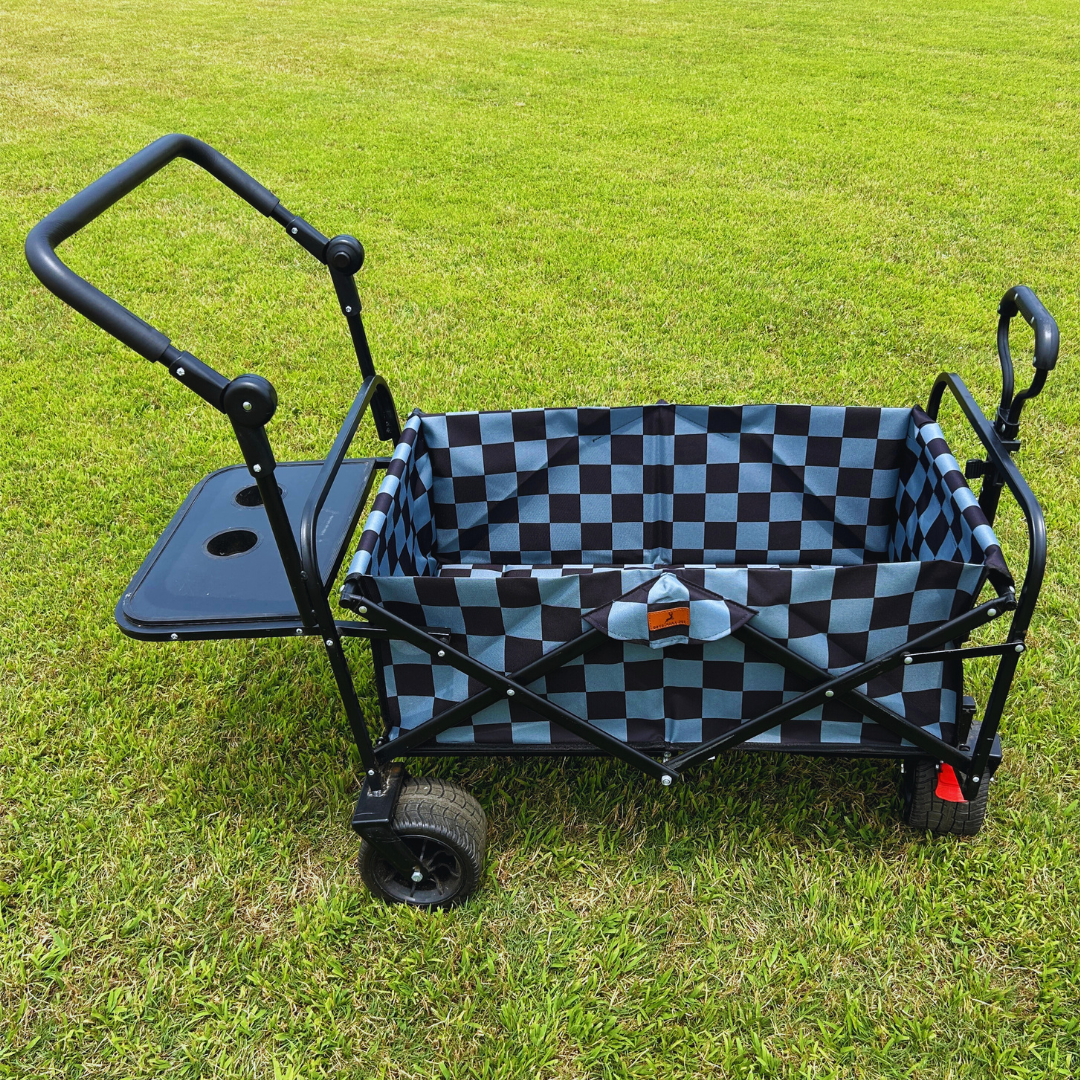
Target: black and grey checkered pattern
pixel 399 534
pixel 508 528
pixel 666 484
pixel 836 617
pixel 937 516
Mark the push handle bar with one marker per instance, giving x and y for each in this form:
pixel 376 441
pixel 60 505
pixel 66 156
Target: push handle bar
pixel 81 209
pixel 1021 300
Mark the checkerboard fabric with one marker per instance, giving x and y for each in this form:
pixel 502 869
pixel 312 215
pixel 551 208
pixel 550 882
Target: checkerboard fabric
pixel 666 484
pixel 938 517
pixel 398 537
pixel 508 529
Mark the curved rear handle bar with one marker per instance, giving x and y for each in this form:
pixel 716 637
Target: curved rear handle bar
pixel 1021 300
pixel 68 218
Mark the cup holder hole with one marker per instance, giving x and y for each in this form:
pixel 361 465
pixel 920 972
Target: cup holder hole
pixel 251 496
pixel 231 542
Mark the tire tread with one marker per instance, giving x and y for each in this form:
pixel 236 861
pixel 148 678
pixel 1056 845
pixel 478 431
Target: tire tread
pixel 924 810
pixel 443 810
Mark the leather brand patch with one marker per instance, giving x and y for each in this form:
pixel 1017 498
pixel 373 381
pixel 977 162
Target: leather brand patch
pixel 667 618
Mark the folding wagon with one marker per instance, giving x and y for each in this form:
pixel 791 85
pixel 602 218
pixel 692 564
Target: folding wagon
pixel 661 583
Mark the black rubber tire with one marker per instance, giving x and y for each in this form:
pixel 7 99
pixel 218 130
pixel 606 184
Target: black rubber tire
pixel 444 825
pixel 922 809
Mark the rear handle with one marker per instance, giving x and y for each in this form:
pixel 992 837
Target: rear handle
pixel 1021 300
pixel 81 209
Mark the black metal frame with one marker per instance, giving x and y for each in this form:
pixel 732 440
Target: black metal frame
pixel 249 402
pixel 974 762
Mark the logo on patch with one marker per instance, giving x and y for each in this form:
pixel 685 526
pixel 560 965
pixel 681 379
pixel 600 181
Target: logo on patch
pixel 670 620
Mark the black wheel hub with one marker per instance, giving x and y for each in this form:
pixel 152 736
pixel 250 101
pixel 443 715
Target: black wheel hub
pixel 439 885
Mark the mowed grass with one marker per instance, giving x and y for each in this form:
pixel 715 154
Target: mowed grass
pixel 562 203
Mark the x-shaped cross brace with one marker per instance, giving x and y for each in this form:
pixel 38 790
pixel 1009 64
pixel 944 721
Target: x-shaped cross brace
pixel 842 687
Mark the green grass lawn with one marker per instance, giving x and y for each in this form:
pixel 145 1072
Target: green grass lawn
pixel 562 203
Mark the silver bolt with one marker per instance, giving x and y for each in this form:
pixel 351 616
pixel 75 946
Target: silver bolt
pixel 666 781
pixel 256 468
pixel 294 230
pixel 329 643
pixel 247 406
pixel 418 876
pixel 348 310
pixel 371 772
pixel 1019 648
pixel 828 693
pixel 363 610
pixel 509 693
pixel 180 372
pixel 992 613
pixel 299 630
pixel 441 653
pixel 175 637
pixel 976 779
pixel 909 660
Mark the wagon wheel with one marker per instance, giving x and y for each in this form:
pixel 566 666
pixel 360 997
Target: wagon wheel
pixel 924 810
pixel 445 828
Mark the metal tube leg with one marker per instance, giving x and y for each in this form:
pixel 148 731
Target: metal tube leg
pixel 995 706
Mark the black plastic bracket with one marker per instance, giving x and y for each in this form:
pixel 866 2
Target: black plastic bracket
pixel 373 818
pixel 995 754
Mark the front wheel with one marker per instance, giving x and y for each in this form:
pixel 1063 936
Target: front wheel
pixel 446 829
pixel 923 809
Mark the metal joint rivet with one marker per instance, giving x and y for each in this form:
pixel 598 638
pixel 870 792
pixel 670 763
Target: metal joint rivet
pixel 175 637
pixel 828 693
pixel 441 653
pixel 294 230
pixel 509 693
pixel 329 643
pixel 180 372
pixel 256 468
pixel 299 630
pixel 976 779
pixel 1019 648
pixel 909 660
pixel 992 613
pixel 348 310
pixel 371 772
pixel 247 406
pixel 363 610
pixel 666 781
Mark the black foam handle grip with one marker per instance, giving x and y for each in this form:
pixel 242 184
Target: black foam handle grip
pixel 68 218
pixel 1021 299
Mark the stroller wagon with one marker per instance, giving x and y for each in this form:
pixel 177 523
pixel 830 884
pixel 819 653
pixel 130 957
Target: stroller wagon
pixel 660 583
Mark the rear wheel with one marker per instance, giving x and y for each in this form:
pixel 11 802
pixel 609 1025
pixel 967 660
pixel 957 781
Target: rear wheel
pixel 923 809
pixel 446 829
